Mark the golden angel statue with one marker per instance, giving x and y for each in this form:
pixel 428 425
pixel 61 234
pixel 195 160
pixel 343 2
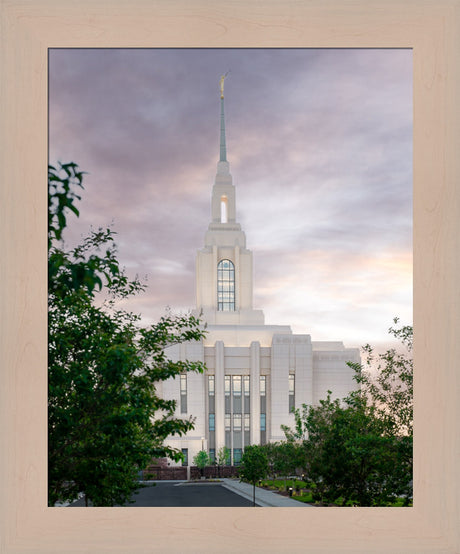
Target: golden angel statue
pixel 222 84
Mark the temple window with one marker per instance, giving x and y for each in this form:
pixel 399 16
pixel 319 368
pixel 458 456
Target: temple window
pixel 223 209
pixel 225 286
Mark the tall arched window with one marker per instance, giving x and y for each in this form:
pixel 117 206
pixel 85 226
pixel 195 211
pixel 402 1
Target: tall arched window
pixel 225 286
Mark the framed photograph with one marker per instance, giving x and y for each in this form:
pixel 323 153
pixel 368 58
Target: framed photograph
pixel 431 31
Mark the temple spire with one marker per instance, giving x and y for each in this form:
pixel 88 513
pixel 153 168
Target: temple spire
pixel 223 146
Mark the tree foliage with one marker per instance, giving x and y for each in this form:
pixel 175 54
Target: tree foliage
pixel 223 456
pixel 106 420
pixel 254 465
pixel 283 458
pixel 201 459
pixel 359 450
pixel 387 382
pixel 349 456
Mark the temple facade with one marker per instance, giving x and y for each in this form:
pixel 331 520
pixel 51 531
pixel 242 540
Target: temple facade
pixel 256 373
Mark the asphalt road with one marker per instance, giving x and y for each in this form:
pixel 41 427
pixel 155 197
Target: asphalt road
pixel 197 495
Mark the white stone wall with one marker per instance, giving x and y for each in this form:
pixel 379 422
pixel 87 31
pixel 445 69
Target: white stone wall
pixel 302 363
pixel 206 281
pixel 196 400
pixel 318 367
pixel 331 371
pixel 289 354
pixel 279 387
pixel 244 335
pixel 223 188
pixel 245 280
pixel 206 288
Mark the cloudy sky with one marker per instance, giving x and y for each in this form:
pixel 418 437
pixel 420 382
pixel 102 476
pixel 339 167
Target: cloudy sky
pixel 320 149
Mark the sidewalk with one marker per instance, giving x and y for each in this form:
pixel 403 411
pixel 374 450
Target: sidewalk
pixel 263 497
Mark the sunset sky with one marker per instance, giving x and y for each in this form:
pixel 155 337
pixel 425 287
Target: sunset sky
pixel 320 148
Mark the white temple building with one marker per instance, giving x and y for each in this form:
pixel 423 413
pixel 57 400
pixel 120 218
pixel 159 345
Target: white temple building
pixel 256 373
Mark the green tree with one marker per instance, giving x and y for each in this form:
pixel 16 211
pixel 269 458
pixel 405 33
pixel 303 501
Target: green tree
pixel 254 466
pixel 283 458
pixel 387 382
pixel 348 455
pixel 201 460
pixel 106 420
pixel 223 458
pixel 360 448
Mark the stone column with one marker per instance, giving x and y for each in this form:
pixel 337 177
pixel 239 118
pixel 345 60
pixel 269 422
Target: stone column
pixel 219 395
pixel 279 387
pixel 303 365
pixel 255 392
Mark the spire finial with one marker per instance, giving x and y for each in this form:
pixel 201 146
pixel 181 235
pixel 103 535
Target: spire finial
pixel 222 79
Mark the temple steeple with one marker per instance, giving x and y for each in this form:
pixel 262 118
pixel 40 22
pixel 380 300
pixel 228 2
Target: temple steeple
pixel 256 373
pixel 223 194
pixel 224 265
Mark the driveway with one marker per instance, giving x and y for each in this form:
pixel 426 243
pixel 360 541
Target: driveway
pixel 184 494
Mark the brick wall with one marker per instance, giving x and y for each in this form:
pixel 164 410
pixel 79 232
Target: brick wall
pixel 160 473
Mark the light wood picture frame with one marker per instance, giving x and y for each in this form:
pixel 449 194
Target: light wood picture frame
pixel 432 29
